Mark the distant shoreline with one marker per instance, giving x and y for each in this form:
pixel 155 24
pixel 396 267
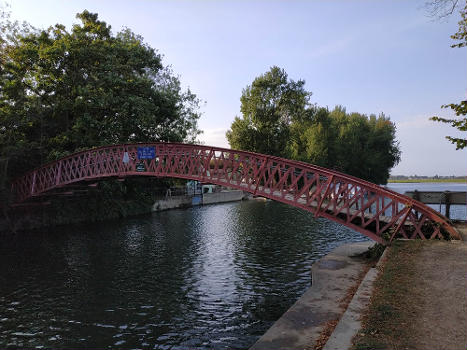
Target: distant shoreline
pixel 426 180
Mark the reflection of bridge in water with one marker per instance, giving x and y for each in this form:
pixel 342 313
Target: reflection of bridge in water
pixel 374 211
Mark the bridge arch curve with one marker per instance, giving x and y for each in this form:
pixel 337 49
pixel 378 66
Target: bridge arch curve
pixel 377 212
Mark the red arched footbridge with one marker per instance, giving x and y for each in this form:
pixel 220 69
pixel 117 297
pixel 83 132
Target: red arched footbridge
pixel 374 211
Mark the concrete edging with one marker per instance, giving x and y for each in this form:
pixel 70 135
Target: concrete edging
pixel 350 323
pixel 190 201
pixel 301 325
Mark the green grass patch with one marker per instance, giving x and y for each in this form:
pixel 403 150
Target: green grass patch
pixel 386 325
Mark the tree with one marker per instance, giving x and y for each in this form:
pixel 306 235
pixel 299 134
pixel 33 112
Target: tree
pixel 268 107
pixel 278 119
pixel 62 91
pixel 460 109
pixel 312 138
pixel 441 8
pixel 363 146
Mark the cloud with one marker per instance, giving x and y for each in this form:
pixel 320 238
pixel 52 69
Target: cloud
pixel 417 122
pixel 214 137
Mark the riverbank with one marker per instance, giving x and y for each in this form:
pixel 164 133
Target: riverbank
pixel 427 180
pixel 335 278
pixel 419 299
pixel 174 202
pixel 63 212
pixel 413 298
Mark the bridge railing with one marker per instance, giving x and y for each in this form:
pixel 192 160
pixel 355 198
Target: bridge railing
pixel 370 209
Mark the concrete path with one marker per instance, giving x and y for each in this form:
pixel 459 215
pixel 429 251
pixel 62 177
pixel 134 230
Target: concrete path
pixel 332 278
pixel 350 323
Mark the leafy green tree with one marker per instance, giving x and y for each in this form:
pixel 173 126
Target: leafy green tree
pixel 366 146
pixel 353 131
pixel 268 107
pixel 312 137
pixel 242 135
pixel 62 91
pixel 278 119
pixel 460 109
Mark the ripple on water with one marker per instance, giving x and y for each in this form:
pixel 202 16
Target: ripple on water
pixel 206 277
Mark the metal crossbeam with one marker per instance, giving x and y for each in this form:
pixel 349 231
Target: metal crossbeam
pixel 374 211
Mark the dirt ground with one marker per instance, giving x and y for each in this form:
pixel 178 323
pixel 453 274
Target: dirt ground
pixel 440 317
pixel 419 300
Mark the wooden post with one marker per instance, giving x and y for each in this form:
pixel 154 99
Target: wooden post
pixel 447 202
pixel 416 195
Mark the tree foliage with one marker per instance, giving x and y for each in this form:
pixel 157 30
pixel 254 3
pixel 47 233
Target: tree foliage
pixel 460 109
pixel 66 90
pixel 268 107
pixel 287 125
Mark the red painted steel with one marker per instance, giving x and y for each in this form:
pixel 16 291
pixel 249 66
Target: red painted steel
pixel 374 211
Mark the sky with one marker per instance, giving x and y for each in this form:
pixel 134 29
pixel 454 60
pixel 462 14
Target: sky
pixel 368 56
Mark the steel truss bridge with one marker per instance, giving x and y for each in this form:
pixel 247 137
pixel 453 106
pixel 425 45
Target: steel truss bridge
pixel 374 211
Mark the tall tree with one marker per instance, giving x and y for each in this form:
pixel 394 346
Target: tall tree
pixel 460 109
pixel 63 91
pixel 366 146
pixel 287 125
pixel 268 107
pixel 312 137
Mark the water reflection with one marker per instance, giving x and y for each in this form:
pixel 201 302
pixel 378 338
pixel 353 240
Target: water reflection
pixel 207 277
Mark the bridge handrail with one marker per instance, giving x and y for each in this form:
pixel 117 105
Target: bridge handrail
pixel 336 176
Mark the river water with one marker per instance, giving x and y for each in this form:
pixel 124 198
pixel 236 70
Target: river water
pixel 212 277
pixel 457 212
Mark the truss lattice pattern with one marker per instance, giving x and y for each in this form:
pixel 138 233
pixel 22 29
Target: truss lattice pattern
pixel 372 210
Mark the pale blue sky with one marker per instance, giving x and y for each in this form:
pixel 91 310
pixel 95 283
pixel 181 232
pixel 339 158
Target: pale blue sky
pixel 369 56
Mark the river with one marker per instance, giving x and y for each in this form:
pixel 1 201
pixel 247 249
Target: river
pixel 212 277
pixel 457 212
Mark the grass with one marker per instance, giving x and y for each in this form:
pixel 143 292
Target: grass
pixel 426 180
pixel 386 325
